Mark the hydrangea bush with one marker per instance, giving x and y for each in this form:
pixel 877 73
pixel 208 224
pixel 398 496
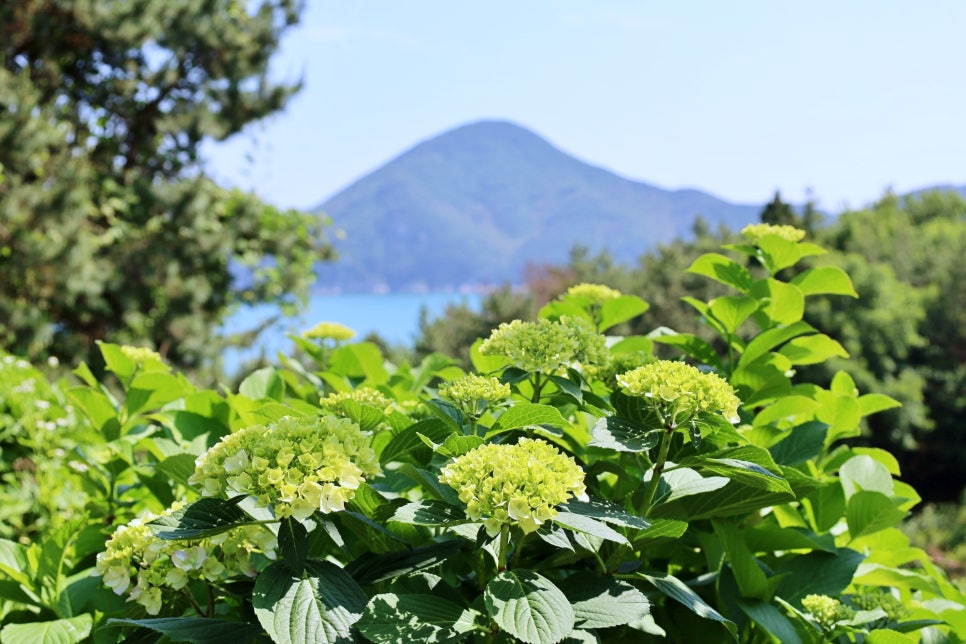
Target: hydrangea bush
pixel 575 488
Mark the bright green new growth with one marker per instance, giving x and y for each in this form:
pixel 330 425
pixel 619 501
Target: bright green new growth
pixel 894 609
pixel 471 392
pixel 826 610
pixel 157 565
pixel 295 467
pixel 362 395
pixel 678 391
pixel 596 293
pixel 755 232
pixel 329 331
pixel 141 355
pixel 517 484
pixel 547 346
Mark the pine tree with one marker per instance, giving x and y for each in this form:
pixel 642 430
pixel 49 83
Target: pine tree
pixel 109 227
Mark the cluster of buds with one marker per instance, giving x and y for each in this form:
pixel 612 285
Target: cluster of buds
pixel 827 611
pixel 363 395
pixel 143 566
pixel 329 331
pixel 472 394
pixel 296 466
pixel 519 484
pixel 678 391
pixel 756 232
pixel 547 346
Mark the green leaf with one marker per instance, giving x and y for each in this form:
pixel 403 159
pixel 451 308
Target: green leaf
pixel 888 636
pixel 604 602
pixel 872 574
pixel 98 409
pixel 768 340
pixel 841 413
pixel 623 435
pixel 14 562
pixel 606 511
pixel 262 384
pixel 360 360
pixel 724 270
pixel 527 415
pixel 684 482
pixel 783 303
pixel 827 280
pixel 804 443
pixel 178 468
pixel 771 538
pixel 316 607
pixel 368 417
pixel 203 518
pixel 869 512
pixel 732 310
pixel 865 473
pixel 456 445
pixel 692 345
pixel 872 403
pixel 529 607
pixel 391 618
pixel 681 593
pixel 744 472
pixel 194 629
pixel 61 631
pixel 568 387
pixel 771 619
pixel 748 574
pixel 407 447
pixel 621 309
pixel 660 529
pixel 817 573
pixel 778 253
pixel 812 349
pixel 589 526
pixel 373 568
pixel 429 512
pixel 293 544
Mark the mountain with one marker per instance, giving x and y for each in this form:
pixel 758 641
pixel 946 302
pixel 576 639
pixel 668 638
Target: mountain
pixel 476 204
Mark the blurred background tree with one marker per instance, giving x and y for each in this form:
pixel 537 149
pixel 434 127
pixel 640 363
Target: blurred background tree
pixel 109 227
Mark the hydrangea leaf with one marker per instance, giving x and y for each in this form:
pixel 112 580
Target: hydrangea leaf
pixel 529 607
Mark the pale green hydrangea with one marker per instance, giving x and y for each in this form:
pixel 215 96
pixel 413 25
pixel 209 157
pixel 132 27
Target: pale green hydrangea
pixel 142 355
pixel 894 609
pixel 679 391
pixel 137 563
pixel 329 331
pixel 473 392
pixel 547 346
pixel 296 466
pixel 518 484
pixel 826 610
pixel 363 395
pixel 622 363
pixel 755 232
pixel 595 293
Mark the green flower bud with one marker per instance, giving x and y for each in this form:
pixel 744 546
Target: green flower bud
pixel 755 232
pixel 547 346
pixel 826 610
pixel 678 391
pixel 329 331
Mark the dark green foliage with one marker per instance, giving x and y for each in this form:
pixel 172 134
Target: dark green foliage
pixel 110 228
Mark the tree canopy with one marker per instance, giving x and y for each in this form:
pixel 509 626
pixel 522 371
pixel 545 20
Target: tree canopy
pixel 109 226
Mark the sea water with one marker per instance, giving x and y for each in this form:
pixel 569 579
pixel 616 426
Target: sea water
pixel 393 316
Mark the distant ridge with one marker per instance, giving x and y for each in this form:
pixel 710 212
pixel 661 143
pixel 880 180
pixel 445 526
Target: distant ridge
pixel 475 204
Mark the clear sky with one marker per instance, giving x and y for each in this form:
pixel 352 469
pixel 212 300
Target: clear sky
pixel 845 98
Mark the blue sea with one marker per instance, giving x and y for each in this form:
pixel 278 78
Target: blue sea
pixel 394 316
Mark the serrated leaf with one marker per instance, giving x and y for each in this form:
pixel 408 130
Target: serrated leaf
pixel 826 280
pixel 623 435
pixel 374 568
pixel 724 270
pixel 589 526
pixel 429 512
pixel 197 630
pixel 873 403
pixel 817 573
pixel 732 310
pixel 60 631
pixel 767 340
pixel 178 468
pixel 606 511
pixel 529 607
pixel 784 303
pixel 407 447
pixel 621 309
pixel 527 415
pixel 203 518
pixel 804 443
pixel 812 349
pixel 681 593
pixel 319 606
pixel 771 619
pixel 604 602
pixel 293 543
pixel 390 618
pixel 868 512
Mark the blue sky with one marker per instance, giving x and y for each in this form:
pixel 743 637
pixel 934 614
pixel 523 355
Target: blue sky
pixel 737 98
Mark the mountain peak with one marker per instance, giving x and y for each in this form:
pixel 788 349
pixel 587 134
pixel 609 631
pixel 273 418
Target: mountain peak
pixel 476 204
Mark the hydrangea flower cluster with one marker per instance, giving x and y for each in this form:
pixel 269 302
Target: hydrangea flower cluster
pixel 547 346
pixel 329 331
pixel 141 355
pixel 295 467
pixel 826 610
pixel 755 232
pixel 363 395
pixel 595 293
pixel 472 392
pixel 514 484
pixel 142 565
pixel 894 609
pixel 679 391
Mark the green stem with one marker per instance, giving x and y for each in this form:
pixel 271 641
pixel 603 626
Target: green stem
pixel 501 554
pixel 537 388
pixel 658 470
pixel 517 551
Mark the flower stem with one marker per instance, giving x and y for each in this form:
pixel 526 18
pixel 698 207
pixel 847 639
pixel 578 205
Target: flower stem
pixel 501 556
pixel 658 470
